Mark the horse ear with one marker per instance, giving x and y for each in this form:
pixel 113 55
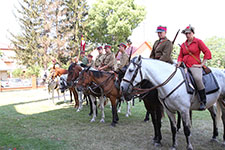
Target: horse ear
pixel 88 68
pixel 139 58
pixel 83 65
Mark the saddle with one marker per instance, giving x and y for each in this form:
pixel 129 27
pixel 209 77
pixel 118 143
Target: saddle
pixel 209 80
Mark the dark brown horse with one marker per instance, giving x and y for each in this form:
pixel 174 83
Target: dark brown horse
pixel 104 80
pixel 57 72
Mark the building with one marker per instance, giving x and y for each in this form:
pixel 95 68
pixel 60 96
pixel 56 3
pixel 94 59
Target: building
pixel 144 50
pixel 7 63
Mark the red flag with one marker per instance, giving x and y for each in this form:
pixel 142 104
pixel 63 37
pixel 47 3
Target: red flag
pixel 82 44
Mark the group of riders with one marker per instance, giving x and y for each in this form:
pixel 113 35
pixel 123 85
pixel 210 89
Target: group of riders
pixel 189 57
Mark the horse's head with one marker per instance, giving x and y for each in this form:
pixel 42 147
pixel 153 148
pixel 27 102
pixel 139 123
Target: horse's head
pixel 84 79
pixel 73 73
pixel 62 83
pixel 132 77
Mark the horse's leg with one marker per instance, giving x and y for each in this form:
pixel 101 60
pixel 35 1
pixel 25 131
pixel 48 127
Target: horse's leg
pixel 93 101
pixel 102 108
pixel 75 98
pixel 115 117
pixel 187 128
pixel 71 96
pixel 172 119
pixel 146 116
pixel 80 101
pixel 91 107
pixel 158 112
pixel 215 127
pixel 53 96
pixel 221 109
pixel 118 105
pixel 128 109
pixel 178 121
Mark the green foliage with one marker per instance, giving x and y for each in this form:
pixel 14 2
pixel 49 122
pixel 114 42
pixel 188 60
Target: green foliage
pixel 112 21
pixel 29 72
pixel 17 73
pixel 217 48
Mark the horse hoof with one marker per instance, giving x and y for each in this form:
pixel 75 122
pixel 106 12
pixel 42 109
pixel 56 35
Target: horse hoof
pixel 157 144
pixel 127 115
pixel 102 121
pixel 113 124
pixel 146 120
pixel 214 140
pixel 92 120
pixel 173 148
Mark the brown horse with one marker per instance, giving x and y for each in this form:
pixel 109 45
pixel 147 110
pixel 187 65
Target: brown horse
pixel 57 72
pixel 73 73
pixel 104 80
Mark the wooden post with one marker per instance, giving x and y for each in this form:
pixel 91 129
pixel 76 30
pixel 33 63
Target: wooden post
pixel 0 86
pixel 34 82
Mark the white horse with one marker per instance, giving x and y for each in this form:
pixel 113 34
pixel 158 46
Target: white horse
pixel 53 84
pixel 173 94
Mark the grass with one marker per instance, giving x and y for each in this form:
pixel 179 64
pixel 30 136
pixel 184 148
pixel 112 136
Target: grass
pixel 28 121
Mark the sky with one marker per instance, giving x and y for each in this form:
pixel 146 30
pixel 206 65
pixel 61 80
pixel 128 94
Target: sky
pixel 207 16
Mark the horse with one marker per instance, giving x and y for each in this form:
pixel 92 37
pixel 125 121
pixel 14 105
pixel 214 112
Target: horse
pixel 104 80
pixel 73 73
pixel 172 92
pixel 57 72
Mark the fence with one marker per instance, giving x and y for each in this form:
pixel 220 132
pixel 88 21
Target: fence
pixel 32 83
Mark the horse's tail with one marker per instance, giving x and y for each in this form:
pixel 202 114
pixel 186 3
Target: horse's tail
pixel 218 112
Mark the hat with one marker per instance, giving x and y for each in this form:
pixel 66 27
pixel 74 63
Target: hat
pixel 188 29
pixel 99 47
pixel 123 44
pixel 89 55
pixel 161 29
pixel 82 52
pixel 129 41
pixel 107 46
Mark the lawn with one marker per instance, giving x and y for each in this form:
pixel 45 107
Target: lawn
pixel 29 121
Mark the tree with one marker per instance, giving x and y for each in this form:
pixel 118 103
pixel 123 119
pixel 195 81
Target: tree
pixel 217 48
pixel 112 21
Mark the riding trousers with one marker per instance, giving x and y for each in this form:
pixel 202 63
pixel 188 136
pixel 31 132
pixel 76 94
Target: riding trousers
pixel 197 75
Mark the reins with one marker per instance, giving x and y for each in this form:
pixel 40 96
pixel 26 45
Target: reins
pixel 142 91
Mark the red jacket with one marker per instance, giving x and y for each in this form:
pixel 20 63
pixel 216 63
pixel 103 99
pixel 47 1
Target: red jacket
pixel 195 48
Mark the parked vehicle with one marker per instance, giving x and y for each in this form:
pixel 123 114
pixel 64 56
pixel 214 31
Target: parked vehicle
pixel 4 83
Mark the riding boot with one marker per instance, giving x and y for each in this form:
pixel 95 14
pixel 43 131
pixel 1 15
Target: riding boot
pixel 202 96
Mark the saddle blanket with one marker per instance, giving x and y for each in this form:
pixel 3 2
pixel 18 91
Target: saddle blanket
pixel 209 81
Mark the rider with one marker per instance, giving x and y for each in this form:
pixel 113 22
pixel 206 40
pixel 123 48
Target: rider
pixel 124 57
pixel 108 62
pixel 84 58
pixel 124 60
pixel 99 58
pixel 190 51
pixel 90 61
pixel 162 48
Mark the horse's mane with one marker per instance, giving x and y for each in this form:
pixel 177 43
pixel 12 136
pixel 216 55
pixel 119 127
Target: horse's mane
pixel 71 66
pixel 99 74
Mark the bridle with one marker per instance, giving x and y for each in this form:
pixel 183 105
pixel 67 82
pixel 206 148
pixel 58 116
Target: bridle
pixel 135 73
pixel 143 91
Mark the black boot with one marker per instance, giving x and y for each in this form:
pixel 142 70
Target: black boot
pixel 202 96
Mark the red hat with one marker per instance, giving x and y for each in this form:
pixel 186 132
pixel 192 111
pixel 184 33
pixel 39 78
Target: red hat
pixel 188 29
pixel 100 47
pixel 89 55
pixel 161 29
pixel 107 46
pixel 82 52
pixel 123 44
